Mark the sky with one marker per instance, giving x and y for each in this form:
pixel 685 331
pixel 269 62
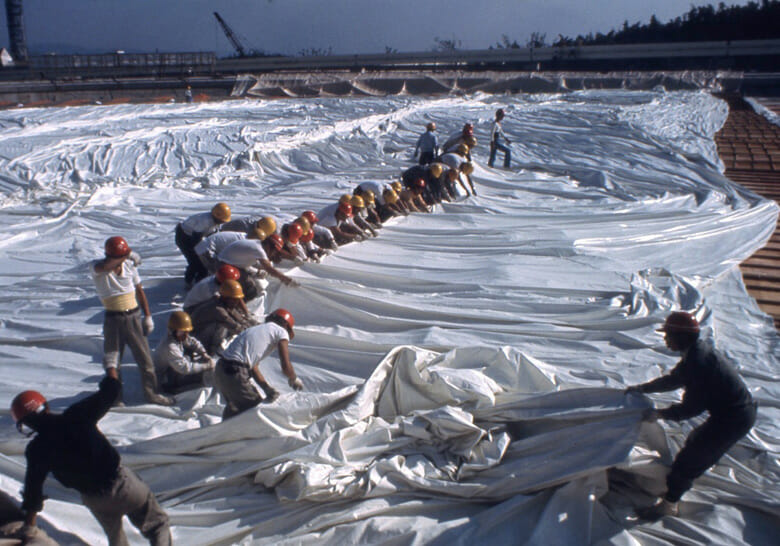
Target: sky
pixel 341 26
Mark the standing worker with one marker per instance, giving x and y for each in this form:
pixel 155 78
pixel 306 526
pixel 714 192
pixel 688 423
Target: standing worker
pixel 189 233
pixel 427 145
pixel 712 384
pixel 240 363
pixel 119 288
pixel 72 448
pixel 498 141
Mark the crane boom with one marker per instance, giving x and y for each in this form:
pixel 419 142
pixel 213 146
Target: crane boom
pixel 231 35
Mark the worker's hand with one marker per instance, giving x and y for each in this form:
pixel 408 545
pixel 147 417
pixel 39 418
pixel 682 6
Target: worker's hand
pixel 650 415
pixel 134 257
pixel 148 325
pixel 295 383
pixel 212 364
pixel 289 281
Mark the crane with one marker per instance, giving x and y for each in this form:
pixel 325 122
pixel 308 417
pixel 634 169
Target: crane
pixel 231 36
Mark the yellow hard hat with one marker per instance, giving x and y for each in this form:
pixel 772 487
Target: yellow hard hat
pixel 390 196
pixel 357 202
pixel 368 197
pixel 436 169
pixel 267 224
pixel 397 186
pixel 470 141
pixel 180 320
pixel 346 198
pixel 221 212
pixel 231 289
pixel 431 126
pixel 259 234
pixel 462 149
pixel 467 167
pixel 304 223
pixel 452 175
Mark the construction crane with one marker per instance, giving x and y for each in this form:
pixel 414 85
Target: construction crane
pixel 231 36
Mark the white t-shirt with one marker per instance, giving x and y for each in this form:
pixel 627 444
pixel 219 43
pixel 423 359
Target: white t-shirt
pixel 216 242
pixel 327 216
pixel 204 290
pixel 109 284
pixel 202 223
pixel 255 343
pixel 454 161
pixel 325 236
pixel 377 187
pixel 243 253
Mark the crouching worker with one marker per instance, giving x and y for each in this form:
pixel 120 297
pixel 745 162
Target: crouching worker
pixel 72 448
pixel 217 321
pixel 180 359
pixel 712 384
pixel 240 363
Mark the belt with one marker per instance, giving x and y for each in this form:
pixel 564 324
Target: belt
pixel 231 367
pixel 122 313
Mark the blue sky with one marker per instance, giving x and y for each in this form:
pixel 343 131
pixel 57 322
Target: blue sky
pixel 346 26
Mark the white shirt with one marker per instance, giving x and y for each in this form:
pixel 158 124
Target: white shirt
pixel 204 290
pixel 180 355
pixel 255 343
pixel 453 161
pixel 202 223
pixel 216 242
pixel 377 187
pixel 110 284
pixel 243 253
pixel 323 233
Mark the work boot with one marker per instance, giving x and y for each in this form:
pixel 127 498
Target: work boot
pixel 656 511
pixel 161 399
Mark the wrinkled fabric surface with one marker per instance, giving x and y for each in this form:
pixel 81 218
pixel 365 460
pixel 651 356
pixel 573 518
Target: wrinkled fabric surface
pixel 463 370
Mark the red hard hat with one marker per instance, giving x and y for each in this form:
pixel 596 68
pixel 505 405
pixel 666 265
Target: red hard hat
pixel 681 322
pixel 311 216
pixel 116 247
pixel 286 317
pixel 294 232
pixel 308 237
pixel 26 403
pixel 419 183
pixel 276 239
pixel 346 209
pixel 226 272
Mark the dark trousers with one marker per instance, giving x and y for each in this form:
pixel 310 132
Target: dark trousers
pixel 504 148
pixel 704 447
pixel 186 243
pixel 426 157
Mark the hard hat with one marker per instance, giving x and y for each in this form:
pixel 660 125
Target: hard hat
pixel 293 232
pixel 345 209
pixel 221 212
pixel 390 196
pixel 368 198
pixel 180 320
pixel 462 149
pixel 470 141
pixel 24 404
pixel 357 202
pixel 311 216
pixel 467 167
pixel 285 317
pixel 276 240
pixel 397 186
pixel 304 223
pixel 452 175
pixel 308 237
pixel 116 247
pixel 231 289
pixel 259 234
pixel 431 126
pixel 419 183
pixel 267 224
pixel 226 272
pixel 680 322
pixel 346 198
pixel 436 169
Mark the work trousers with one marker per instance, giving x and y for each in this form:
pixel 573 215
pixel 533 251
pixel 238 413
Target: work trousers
pixel 234 382
pixel 129 496
pixel 706 444
pixel 195 269
pixel 124 328
pixel 426 157
pixel 504 148
pixel 172 382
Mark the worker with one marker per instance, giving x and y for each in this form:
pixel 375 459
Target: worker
pixel 463 167
pixel 431 174
pixel 412 197
pixel 711 384
pixel 72 448
pixel 209 248
pixel 189 233
pixel 180 360
pixel 247 224
pixel 208 288
pixel 427 145
pixel 499 141
pixel 119 289
pixel 369 202
pixel 457 138
pixel 240 363
pixel 188 94
pixel 216 322
pixel 338 219
pixel 360 216
pixel 386 199
pixel 291 236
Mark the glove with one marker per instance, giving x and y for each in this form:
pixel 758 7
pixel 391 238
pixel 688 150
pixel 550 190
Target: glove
pixel 295 383
pixel 148 325
pixel 134 257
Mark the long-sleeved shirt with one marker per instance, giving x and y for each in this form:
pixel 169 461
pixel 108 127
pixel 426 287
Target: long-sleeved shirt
pixel 428 142
pixel 711 383
pixel 183 357
pixel 70 446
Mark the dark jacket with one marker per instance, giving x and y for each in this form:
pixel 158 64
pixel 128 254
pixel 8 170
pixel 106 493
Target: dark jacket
pixel 70 446
pixel 711 383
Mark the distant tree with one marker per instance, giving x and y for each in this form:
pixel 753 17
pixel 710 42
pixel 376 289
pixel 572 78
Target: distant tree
pixel 390 50
pixel 445 45
pixel 315 52
pixel 506 44
pixel 537 39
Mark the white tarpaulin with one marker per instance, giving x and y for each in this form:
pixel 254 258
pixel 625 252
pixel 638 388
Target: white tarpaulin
pixel 463 370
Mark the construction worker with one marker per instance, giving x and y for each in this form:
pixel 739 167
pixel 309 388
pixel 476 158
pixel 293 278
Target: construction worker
pixel 360 215
pixel 72 448
pixel 369 202
pixel 463 167
pixel 188 94
pixel 412 197
pixel 386 204
pixel 240 363
pixel 247 224
pixel 427 145
pixel 431 174
pixel 216 322
pixel 499 141
pixel 457 138
pixel 191 231
pixel 711 384
pixel 181 361
pixel 119 289
pixel 208 288
pixel 338 219
pixel 209 247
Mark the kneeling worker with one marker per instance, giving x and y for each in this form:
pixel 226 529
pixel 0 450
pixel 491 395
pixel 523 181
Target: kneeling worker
pixel 180 359
pixel 240 363
pixel 72 448
pixel 712 384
